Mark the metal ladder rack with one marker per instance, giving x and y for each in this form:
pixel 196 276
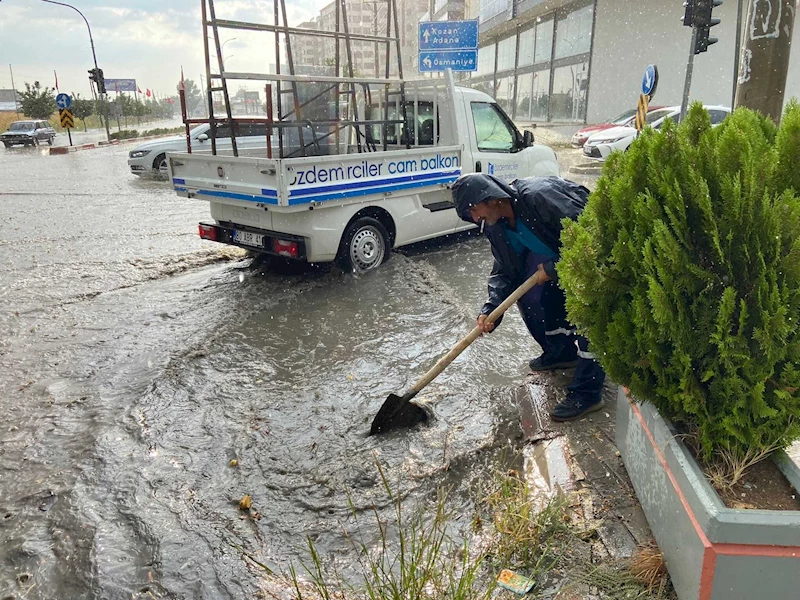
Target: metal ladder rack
pixel 346 90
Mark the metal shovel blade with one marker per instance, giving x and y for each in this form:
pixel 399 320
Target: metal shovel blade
pixel 398 412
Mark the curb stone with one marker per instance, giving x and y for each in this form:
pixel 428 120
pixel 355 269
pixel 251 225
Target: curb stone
pixel 91 146
pixel 587 169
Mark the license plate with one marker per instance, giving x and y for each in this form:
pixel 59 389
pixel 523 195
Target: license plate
pixel 249 238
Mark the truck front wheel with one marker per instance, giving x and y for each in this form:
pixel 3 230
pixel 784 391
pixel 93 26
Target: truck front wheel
pixel 365 245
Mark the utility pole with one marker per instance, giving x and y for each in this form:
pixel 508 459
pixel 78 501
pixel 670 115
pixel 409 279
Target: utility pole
pixel 16 109
pixel 765 60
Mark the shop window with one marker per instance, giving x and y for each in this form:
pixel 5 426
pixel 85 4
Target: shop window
pixel 544 40
pixel 568 100
pixel 540 95
pixel 524 86
pixel 492 8
pixel 527 39
pixel 506 51
pixel 504 93
pixel 574 33
pixel 486 60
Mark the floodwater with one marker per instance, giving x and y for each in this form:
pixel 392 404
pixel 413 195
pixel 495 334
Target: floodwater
pixel 137 361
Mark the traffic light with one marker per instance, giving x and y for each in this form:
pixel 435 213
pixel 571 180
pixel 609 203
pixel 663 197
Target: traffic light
pixel 704 21
pixel 96 75
pixel 688 15
pixel 101 82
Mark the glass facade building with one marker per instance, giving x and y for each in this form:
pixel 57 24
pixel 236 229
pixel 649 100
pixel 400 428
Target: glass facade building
pixel 537 66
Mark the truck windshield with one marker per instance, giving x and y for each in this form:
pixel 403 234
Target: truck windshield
pixel 493 130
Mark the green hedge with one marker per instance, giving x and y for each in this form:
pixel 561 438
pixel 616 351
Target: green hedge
pixel 684 272
pixel 125 134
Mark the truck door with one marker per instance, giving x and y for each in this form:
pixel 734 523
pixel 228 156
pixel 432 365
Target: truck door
pixel 495 142
pixel 437 215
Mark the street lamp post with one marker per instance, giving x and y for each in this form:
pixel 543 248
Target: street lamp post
pixel 222 48
pixel 104 115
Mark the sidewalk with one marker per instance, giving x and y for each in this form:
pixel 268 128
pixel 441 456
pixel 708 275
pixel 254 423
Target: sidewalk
pixel 581 459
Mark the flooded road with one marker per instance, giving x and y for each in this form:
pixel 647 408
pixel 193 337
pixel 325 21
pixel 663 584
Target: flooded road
pixel 138 361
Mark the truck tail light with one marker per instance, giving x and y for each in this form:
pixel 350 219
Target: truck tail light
pixel 207 232
pixel 286 248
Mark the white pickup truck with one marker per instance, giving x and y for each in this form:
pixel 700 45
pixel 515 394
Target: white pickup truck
pixel 354 207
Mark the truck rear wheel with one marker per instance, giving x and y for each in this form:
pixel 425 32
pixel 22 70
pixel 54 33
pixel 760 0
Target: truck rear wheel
pixel 365 245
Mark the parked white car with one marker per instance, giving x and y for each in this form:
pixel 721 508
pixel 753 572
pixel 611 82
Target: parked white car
pixel 151 157
pixel 600 145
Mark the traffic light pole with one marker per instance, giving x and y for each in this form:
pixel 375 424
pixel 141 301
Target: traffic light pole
pixel 689 69
pixel 765 60
pixel 104 114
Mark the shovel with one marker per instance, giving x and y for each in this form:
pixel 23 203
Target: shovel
pixel 399 411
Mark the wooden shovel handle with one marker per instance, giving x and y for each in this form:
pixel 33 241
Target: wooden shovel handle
pixel 474 334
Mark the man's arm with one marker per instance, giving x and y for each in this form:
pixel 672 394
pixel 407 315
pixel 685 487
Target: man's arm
pixel 500 285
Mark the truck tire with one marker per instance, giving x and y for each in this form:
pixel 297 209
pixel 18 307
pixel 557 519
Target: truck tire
pixel 364 247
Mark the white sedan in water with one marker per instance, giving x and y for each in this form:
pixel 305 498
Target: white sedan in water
pixel 603 143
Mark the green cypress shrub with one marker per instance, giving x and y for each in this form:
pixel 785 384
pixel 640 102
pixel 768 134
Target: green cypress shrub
pixel 684 273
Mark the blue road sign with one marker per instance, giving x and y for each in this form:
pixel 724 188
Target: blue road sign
pixel 63 101
pixel 457 60
pixel 448 35
pixel 120 85
pixel 650 81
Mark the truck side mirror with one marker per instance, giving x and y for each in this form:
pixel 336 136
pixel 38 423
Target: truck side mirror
pixel 527 138
pixel 202 137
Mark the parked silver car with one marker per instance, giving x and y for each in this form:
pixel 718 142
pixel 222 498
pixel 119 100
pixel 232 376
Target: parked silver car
pixel 28 132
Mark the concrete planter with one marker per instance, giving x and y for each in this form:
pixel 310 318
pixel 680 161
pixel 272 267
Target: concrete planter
pixel 712 552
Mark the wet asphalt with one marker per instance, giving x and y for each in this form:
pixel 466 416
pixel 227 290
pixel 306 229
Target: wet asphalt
pixel 138 361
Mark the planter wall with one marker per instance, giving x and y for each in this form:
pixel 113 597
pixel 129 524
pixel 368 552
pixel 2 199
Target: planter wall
pixel 712 552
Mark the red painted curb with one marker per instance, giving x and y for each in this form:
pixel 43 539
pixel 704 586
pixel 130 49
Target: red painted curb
pixel 62 150
pixel 87 146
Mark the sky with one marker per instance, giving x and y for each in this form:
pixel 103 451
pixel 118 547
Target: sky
pixel 146 40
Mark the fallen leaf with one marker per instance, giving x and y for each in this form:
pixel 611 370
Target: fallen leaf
pixel 234 462
pixel 245 503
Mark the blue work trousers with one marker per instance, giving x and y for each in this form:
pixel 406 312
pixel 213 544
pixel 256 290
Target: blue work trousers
pixel 544 312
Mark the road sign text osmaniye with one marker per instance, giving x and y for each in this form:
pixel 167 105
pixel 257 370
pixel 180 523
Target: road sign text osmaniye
pixel 457 60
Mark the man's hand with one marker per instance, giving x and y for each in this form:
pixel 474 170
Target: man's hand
pixel 543 276
pixel 484 326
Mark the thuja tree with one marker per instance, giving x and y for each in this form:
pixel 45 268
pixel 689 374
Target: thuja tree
pixel 684 272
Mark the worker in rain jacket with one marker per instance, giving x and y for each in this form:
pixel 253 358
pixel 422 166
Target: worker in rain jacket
pixel 523 224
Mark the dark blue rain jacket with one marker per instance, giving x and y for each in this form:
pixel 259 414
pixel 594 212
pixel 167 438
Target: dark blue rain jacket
pixel 540 203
